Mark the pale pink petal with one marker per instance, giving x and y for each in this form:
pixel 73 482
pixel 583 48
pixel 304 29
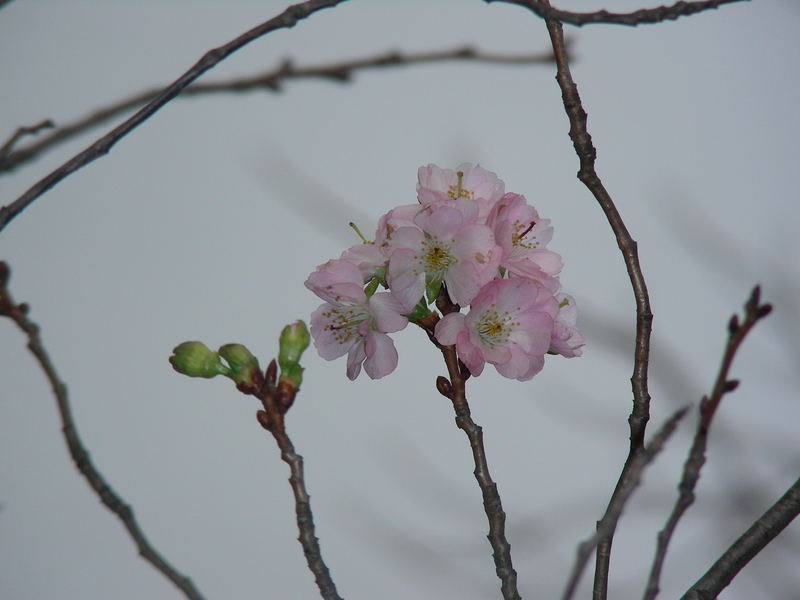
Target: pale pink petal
pixel 381 355
pixel 385 310
pixel 566 340
pixel 337 281
pixel 405 278
pixel 521 366
pixel 440 220
pixel 401 216
pixel 535 333
pixel 330 343
pixel 463 283
pixel 469 354
pixel 367 257
pixel 355 357
pixel 530 270
pixel 448 328
pixel 410 238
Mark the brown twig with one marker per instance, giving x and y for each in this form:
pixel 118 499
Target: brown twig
pixel 640 413
pixel 288 18
pixel 455 390
pixel 272 81
pixel 753 312
pixel 78 452
pixel 277 399
pixel 21 132
pixel 608 523
pixel 751 542
pixel 642 16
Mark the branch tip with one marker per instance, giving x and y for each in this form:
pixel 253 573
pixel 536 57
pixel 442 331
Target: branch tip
pixel 730 385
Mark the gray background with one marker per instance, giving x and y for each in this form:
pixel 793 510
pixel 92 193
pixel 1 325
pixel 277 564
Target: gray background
pixel 204 223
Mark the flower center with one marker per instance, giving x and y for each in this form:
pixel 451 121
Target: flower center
pixel 495 328
pixel 456 191
pixel 518 233
pixel 436 258
pixel 343 322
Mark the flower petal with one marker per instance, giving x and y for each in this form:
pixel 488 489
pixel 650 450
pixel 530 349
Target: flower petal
pixel 381 355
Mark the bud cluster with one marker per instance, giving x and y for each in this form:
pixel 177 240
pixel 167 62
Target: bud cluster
pixel 465 236
pixel 238 364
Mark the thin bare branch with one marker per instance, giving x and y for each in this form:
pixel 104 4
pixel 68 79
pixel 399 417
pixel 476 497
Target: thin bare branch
pixel 277 399
pixel 708 407
pixel 455 390
pixel 640 414
pixel 21 132
pixel 271 81
pixel 751 542
pixel 78 452
pixel 608 523
pixel 644 16
pixel 288 18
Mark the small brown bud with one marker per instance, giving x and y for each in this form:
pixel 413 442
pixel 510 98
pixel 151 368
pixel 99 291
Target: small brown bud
pixel 444 387
pixel 272 372
pixel 263 419
pixel 730 385
pixel 733 325
pixel 755 296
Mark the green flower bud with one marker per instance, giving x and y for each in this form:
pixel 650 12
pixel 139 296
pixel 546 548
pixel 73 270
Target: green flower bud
pixel 243 365
pixel 196 360
pixel 293 342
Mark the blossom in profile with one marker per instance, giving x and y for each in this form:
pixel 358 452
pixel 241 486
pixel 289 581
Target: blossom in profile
pixel 368 258
pixel 465 181
pixel 446 245
pixel 510 325
pixel 399 216
pixel 523 235
pixel 352 323
pixel 567 340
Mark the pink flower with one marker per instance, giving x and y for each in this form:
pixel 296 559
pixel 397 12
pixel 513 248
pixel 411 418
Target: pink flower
pixel 466 181
pixel 368 258
pixel 510 325
pixel 445 245
pixel 523 237
pixel 337 281
pixel 400 216
pixel 566 340
pixel 351 323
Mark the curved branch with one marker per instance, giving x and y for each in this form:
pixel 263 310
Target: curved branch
pixel 640 414
pixel 78 452
pixel 288 18
pixel 270 81
pixel 644 16
pixel 751 542
pixel 754 312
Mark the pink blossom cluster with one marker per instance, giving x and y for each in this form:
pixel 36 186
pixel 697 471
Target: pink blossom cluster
pixel 465 236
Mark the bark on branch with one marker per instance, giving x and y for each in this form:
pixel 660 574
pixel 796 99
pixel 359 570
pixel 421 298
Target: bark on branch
pixel 640 413
pixel 644 16
pixel 737 332
pixel 288 18
pixel 269 81
pixel 80 456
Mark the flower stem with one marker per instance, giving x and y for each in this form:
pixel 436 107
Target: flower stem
pixel 491 498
